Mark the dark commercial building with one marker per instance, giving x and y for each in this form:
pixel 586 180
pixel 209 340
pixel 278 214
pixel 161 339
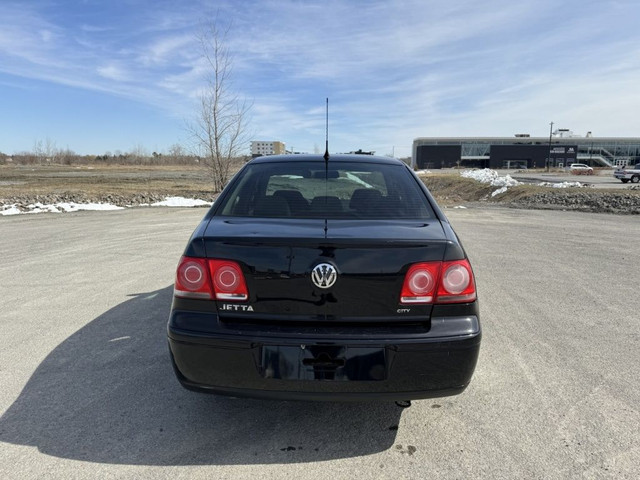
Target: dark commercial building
pixel 523 151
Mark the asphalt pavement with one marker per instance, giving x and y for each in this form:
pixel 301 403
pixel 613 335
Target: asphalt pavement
pixel 88 391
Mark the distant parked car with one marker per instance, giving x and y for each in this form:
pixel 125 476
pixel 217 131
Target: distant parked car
pixel 628 173
pixel 580 169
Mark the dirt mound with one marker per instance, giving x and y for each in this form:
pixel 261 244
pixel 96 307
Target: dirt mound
pixel 452 190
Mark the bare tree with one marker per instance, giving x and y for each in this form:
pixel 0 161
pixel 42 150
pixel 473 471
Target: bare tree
pixel 138 155
pixel 66 156
pixel 45 151
pixel 220 128
pixel 178 155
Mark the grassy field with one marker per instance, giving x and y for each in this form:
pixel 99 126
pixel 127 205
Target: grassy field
pixel 101 180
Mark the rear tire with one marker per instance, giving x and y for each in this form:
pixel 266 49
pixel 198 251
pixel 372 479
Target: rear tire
pixel 635 179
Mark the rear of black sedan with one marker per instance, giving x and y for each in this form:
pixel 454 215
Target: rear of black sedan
pixel 325 280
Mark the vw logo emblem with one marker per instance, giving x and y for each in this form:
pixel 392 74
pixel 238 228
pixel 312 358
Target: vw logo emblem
pixel 324 275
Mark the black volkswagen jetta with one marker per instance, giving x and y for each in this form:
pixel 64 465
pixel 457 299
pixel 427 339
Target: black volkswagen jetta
pixel 318 279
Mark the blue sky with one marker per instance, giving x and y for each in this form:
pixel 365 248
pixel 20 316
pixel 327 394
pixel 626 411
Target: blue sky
pixel 107 76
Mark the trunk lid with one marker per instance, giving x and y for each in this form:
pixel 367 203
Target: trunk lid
pixel 277 257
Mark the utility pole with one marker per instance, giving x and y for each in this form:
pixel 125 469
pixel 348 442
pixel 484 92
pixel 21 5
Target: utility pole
pixel 549 154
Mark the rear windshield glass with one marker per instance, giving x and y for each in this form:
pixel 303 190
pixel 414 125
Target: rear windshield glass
pixel 307 190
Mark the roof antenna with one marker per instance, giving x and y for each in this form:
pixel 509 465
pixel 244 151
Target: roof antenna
pixel 326 170
pixel 326 151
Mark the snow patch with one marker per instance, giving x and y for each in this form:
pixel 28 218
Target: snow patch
pixel 70 207
pixel 562 185
pixel 41 208
pixel 10 210
pixel 181 202
pixel 491 177
pixel 75 207
pixel 56 208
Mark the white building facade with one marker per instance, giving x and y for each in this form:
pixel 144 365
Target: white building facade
pixel 263 147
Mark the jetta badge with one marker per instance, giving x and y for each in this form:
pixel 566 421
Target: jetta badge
pixel 324 275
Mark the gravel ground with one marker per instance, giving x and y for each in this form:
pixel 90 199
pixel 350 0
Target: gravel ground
pixel 121 200
pixel 590 201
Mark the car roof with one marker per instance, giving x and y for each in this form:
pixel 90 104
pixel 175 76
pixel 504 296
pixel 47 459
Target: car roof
pixel 332 158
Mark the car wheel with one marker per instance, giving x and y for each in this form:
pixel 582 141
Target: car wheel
pixel 635 179
pixel 624 180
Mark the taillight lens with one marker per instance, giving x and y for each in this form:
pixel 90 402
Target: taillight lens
pixel 457 285
pixel 192 279
pixel 439 282
pixel 228 280
pixel 208 279
pixel 420 283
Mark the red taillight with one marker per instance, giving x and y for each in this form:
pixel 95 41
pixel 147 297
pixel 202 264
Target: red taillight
pixel 457 284
pixel 192 279
pixel 228 280
pixel 439 282
pixel 420 283
pixel 208 279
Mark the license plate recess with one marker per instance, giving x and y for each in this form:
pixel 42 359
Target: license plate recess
pixel 321 362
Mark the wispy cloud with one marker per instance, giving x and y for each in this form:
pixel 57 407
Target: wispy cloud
pixel 113 72
pixel 393 70
pixel 168 50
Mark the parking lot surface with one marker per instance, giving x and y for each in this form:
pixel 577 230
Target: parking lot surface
pixel 88 390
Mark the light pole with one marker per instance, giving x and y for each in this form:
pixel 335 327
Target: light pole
pixel 549 154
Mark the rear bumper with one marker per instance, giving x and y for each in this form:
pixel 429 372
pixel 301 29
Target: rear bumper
pixel 625 176
pixel 307 367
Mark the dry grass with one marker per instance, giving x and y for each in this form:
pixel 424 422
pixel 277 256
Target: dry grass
pixel 20 181
pixel 452 189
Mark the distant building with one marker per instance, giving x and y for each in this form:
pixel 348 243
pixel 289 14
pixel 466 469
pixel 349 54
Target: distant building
pixel 524 151
pixel 262 147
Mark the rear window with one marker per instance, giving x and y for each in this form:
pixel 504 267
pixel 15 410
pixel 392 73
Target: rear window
pixel 345 190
